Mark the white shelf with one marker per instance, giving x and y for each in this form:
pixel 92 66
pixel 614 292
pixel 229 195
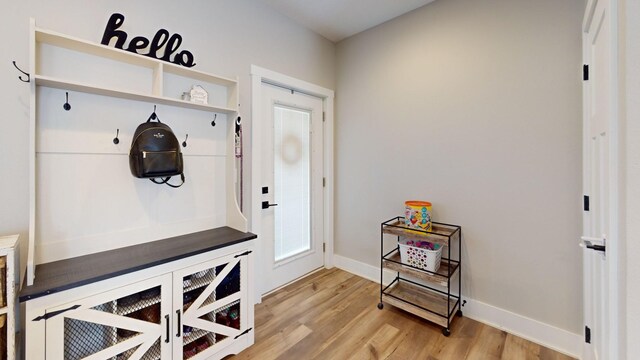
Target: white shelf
pixel 68 42
pixel 174 69
pixel 122 94
pixel 124 310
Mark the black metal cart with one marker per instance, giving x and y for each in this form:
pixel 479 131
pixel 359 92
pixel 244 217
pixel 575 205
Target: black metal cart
pixel 417 298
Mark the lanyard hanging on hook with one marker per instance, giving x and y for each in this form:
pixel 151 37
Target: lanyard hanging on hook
pixel 238 153
pixel 238 138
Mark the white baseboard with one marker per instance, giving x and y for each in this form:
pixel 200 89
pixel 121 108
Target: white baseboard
pixel 535 331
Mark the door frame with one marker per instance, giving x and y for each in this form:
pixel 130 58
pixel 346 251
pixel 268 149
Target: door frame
pixel 614 255
pixel 259 76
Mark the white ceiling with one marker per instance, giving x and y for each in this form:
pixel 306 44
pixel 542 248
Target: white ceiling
pixel 339 19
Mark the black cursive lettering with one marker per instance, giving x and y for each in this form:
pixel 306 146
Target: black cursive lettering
pixel 161 42
pixel 115 21
pixel 158 42
pixel 184 58
pixel 138 43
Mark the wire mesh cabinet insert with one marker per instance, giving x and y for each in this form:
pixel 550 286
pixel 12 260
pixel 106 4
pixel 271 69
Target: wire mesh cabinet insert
pixel 414 288
pixel 197 312
pixel 211 306
pixel 131 322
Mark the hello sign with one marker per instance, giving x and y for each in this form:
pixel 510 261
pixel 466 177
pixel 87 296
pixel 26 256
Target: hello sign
pixel 162 42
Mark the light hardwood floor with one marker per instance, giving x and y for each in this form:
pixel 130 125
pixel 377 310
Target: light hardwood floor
pixel 332 314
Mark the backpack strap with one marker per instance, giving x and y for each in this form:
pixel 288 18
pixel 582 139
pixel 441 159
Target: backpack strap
pixel 162 181
pixel 166 181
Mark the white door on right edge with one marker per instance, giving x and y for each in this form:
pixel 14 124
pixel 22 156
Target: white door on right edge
pixel 292 199
pixel 599 144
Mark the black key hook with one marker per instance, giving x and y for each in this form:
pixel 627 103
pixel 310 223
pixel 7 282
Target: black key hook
pixel 153 115
pixel 20 76
pixel 115 139
pixel 66 105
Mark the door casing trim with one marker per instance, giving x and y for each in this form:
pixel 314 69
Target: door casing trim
pixel 261 75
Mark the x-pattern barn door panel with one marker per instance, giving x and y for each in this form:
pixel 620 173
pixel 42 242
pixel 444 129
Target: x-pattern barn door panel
pixel 211 306
pixel 125 323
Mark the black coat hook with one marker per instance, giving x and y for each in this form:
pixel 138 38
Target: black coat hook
pixel 153 115
pixel 20 76
pixel 66 105
pixel 115 139
pixel 184 143
pixel 213 123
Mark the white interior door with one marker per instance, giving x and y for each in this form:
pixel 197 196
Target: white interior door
pixel 600 177
pixel 292 199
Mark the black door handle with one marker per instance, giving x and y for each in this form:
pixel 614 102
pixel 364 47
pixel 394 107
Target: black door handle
pixel 266 205
pixel 595 247
pixel 179 323
pixel 166 318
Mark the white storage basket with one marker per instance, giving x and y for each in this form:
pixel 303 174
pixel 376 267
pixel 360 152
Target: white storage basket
pixel 420 257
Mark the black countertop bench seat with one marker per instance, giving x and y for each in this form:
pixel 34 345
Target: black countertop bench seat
pixel 74 272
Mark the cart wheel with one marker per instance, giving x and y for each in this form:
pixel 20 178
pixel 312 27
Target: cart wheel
pixel 380 306
pixel 459 313
pixel 446 332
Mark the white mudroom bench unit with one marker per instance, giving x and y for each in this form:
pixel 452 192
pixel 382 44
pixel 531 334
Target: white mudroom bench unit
pixel 183 297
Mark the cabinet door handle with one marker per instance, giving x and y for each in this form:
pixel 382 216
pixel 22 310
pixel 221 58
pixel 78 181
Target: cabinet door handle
pixel 166 319
pixel 179 325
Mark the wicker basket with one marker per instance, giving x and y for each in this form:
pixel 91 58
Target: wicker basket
pixel 422 258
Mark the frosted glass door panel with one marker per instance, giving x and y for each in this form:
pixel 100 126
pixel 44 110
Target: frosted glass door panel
pixel 292 170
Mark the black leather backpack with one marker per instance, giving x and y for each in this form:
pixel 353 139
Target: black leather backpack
pixel 155 153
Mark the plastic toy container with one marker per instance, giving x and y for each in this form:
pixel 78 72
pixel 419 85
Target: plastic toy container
pixel 417 214
pixel 420 257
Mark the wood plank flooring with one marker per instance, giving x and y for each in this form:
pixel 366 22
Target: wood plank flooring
pixel 332 314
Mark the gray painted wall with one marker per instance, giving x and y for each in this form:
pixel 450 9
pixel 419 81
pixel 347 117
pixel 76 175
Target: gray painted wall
pixel 474 105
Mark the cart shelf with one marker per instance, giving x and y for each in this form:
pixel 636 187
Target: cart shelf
pixel 440 233
pixel 448 268
pixel 420 301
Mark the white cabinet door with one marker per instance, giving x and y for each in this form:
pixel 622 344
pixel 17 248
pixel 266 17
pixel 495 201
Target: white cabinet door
pixel 131 322
pixel 211 309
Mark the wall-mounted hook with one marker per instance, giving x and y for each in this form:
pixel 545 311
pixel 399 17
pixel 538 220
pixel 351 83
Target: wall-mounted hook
pixel 20 76
pixel 184 143
pixel 153 115
pixel 66 105
pixel 115 139
pixel 213 123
